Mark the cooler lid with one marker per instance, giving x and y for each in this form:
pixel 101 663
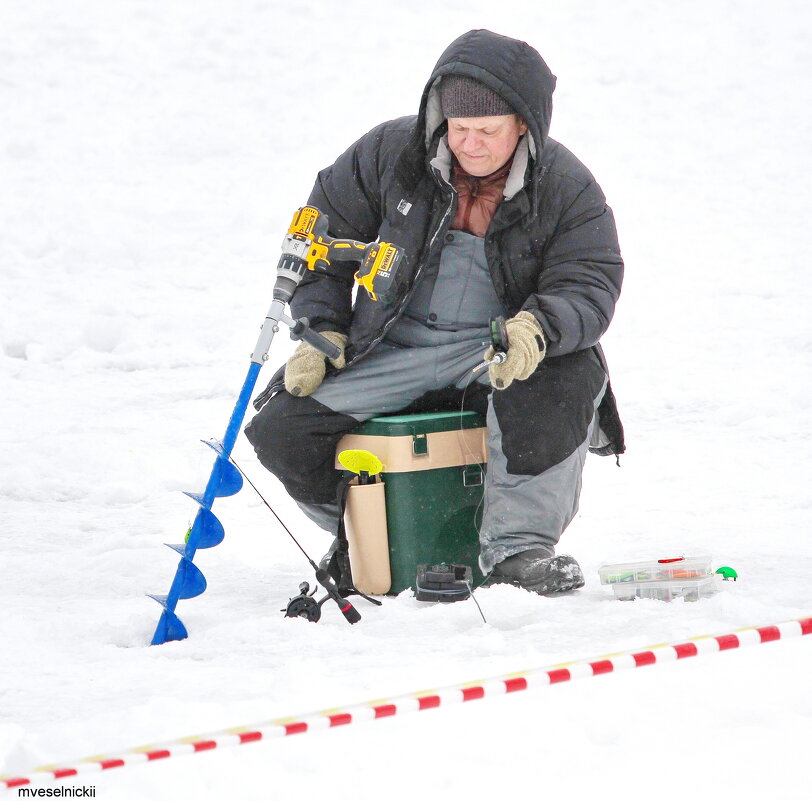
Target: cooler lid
pixel 400 425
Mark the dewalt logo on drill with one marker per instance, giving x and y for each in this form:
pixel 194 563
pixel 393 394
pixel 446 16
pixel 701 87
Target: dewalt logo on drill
pixel 304 222
pixel 386 260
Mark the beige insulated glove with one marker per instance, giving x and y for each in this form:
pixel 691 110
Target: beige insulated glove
pixel 526 348
pixel 305 370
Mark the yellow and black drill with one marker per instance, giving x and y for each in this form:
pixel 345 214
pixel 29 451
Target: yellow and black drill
pixel 307 246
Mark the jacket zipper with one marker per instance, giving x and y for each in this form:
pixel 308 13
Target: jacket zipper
pixel 408 295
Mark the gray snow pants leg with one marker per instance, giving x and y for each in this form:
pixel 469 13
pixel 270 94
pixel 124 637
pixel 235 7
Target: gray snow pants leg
pixel 538 434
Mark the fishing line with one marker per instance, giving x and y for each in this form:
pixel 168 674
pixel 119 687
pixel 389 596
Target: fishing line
pixel 279 519
pixel 473 598
pixel 322 575
pixel 471 377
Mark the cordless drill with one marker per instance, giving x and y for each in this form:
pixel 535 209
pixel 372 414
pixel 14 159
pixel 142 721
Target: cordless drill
pixel 307 246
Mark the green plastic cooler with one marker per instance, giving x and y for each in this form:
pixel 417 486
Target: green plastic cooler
pixel 433 480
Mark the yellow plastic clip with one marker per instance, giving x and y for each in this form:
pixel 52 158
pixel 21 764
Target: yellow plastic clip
pixel 359 461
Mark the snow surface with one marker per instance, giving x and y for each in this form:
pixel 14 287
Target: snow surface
pixel 150 159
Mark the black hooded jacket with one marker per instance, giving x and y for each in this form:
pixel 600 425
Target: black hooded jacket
pixel 552 247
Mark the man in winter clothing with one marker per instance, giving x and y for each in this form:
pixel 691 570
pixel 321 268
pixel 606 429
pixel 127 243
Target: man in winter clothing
pixel 495 218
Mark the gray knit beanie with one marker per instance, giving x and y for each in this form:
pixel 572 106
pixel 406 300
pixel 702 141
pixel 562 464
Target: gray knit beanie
pixel 461 96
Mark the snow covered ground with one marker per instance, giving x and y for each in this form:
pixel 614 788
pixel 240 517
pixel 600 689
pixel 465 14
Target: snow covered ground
pixel 150 159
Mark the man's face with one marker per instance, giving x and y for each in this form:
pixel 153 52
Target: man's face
pixel 483 144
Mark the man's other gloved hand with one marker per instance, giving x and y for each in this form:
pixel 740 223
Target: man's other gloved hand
pixel 526 348
pixel 305 370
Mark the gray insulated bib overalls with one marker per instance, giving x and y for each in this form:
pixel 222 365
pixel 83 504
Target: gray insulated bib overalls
pixel 531 490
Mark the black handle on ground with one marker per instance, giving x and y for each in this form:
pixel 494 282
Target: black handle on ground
pixel 351 614
pixel 302 330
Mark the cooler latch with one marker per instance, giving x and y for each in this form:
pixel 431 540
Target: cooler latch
pixel 420 444
pixel 472 475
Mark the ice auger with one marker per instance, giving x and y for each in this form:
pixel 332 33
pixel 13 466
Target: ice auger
pixel 306 246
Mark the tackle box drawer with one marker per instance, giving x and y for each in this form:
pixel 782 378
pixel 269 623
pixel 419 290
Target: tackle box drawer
pixel 689 589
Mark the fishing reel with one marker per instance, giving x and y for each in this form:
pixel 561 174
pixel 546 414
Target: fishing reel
pixel 499 343
pixel 304 604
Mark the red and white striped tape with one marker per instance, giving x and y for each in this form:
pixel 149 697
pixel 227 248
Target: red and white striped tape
pixel 417 702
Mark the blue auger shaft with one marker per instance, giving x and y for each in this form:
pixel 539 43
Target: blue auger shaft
pixel 226 446
pixel 225 478
pixel 168 626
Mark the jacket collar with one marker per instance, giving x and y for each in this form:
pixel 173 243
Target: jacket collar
pixel 518 169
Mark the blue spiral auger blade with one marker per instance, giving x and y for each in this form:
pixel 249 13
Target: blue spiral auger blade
pixel 225 479
pixel 206 532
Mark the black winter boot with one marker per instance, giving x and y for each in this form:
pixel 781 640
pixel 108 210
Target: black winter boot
pixel 538 571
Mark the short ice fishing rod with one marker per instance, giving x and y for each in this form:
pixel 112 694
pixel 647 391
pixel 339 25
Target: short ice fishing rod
pixel 304 605
pixel 306 246
pixel 499 343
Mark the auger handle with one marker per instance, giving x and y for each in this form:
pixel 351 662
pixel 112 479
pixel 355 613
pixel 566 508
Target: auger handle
pixel 301 330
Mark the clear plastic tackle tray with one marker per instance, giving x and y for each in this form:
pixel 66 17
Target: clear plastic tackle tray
pixel 689 589
pixel 682 567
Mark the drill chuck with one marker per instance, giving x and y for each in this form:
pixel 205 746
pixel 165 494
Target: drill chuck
pixel 289 272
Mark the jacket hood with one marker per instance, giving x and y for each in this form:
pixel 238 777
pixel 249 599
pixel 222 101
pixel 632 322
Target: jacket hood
pixel 510 67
